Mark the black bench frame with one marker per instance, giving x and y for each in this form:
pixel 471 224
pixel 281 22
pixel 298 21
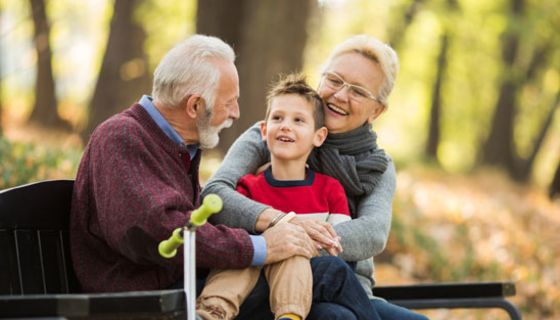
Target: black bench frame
pixel 37 278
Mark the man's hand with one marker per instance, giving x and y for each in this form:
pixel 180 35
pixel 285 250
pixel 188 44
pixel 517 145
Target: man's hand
pixel 286 240
pixel 322 233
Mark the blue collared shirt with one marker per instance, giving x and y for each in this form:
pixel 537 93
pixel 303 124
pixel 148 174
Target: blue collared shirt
pixel 148 105
pixel 259 243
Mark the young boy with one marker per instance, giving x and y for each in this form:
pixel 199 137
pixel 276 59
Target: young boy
pixel 293 126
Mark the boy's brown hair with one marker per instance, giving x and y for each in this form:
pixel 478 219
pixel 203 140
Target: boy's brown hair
pixel 295 83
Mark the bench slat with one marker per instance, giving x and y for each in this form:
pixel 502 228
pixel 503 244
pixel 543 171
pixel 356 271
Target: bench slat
pixel 446 290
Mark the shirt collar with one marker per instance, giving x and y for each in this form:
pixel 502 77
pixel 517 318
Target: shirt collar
pixel 147 103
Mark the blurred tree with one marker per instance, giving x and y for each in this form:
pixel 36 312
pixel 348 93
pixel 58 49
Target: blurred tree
pixel 499 149
pixel 268 37
pixel 45 108
pixel 1 106
pixel 435 110
pixel 1 87
pixel 554 189
pixel 124 75
pixel 523 169
pixel 434 126
pixel 398 30
pixel 1 130
pixel 222 19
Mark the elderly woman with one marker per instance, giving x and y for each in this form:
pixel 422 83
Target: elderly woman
pixel 356 82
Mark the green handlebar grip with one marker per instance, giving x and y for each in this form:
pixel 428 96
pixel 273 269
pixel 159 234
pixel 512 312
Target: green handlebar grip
pixel 211 204
pixel 168 248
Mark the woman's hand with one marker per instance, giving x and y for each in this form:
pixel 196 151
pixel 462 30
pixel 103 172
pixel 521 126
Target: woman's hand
pixel 322 233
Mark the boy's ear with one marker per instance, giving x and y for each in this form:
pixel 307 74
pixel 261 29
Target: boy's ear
pixel 320 136
pixel 194 105
pixel 263 130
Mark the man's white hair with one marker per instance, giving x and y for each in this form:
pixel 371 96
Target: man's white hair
pixel 189 68
pixel 375 50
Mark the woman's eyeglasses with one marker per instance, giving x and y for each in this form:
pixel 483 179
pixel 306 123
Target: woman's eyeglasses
pixel 357 93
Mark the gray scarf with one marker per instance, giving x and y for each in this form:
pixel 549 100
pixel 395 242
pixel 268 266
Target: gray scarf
pixel 354 159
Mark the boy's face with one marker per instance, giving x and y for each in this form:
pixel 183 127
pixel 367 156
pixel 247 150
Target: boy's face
pixel 289 129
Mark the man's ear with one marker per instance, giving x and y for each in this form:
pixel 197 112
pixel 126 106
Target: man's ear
pixel 263 130
pixel 194 105
pixel 377 111
pixel 320 136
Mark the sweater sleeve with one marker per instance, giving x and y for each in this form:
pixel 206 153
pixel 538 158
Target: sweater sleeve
pixel 367 234
pixel 137 206
pixel 245 156
pixel 243 187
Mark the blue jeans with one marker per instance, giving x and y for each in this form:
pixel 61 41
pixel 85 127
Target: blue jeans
pixel 389 311
pixel 337 294
pixel 384 309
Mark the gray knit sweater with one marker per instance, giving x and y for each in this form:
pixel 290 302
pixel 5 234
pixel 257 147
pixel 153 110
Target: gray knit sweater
pixel 362 238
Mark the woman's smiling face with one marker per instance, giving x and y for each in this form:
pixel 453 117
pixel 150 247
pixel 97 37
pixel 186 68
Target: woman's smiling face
pixel 344 111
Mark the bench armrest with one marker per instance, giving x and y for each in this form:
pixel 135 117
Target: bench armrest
pixel 446 291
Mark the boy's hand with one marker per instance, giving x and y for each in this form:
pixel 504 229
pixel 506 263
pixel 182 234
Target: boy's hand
pixel 322 233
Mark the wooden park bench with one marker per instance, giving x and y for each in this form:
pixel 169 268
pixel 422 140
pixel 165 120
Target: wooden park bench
pixel 37 279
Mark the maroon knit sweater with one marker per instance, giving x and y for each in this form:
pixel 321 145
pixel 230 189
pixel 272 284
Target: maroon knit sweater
pixel 133 188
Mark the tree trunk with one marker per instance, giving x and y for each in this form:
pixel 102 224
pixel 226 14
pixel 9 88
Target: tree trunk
pixel 222 19
pixel 45 107
pixel 499 148
pixel 435 112
pixel 269 38
pixel 554 189
pixel 1 89
pixel 1 108
pixel 398 31
pixel 124 74
pixel 524 169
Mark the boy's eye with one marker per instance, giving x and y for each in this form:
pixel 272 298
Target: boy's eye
pixel 299 120
pixel 275 117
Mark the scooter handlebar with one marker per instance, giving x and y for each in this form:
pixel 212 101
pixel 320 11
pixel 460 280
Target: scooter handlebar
pixel 168 248
pixel 210 205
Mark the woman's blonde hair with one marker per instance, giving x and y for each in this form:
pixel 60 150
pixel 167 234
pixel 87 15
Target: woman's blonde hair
pixel 376 51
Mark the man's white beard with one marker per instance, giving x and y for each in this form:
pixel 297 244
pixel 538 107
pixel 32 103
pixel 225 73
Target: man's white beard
pixel 209 136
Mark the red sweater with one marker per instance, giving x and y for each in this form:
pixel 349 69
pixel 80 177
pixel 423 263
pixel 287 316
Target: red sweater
pixel 133 188
pixel 318 197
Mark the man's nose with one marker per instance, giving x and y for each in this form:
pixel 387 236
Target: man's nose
pixel 234 113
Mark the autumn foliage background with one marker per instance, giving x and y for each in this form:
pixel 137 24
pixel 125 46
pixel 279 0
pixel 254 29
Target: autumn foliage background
pixel 472 125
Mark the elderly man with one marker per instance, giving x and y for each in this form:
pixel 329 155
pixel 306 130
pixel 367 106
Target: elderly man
pixel 138 180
